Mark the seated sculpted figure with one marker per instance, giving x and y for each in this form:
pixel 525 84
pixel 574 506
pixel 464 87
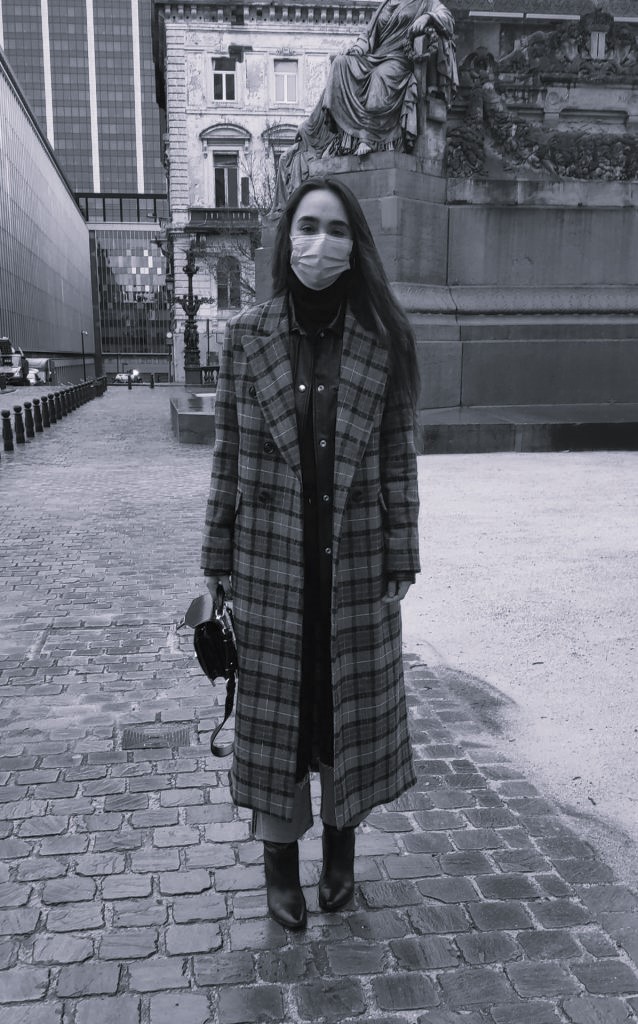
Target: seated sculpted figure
pixel 370 99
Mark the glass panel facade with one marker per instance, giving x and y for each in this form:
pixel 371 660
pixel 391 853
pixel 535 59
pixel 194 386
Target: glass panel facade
pixel 45 279
pixel 134 301
pixel 70 88
pixel 116 96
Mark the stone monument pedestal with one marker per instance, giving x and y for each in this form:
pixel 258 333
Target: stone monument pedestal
pixel 522 293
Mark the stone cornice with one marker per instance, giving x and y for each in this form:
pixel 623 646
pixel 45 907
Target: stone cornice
pixel 337 13
pixel 619 9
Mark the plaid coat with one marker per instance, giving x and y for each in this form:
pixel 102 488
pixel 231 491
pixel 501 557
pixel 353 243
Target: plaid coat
pixel 254 529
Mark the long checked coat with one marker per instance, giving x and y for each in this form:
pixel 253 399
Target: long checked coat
pixel 254 529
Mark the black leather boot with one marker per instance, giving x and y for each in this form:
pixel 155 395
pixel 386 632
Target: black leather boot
pixel 286 901
pixel 336 884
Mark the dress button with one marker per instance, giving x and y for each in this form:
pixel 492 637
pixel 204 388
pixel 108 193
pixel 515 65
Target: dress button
pixel 269 447
pixel 326 497
pixel 327 551
pixel 302 387
pixel 320 387
pixel 322 443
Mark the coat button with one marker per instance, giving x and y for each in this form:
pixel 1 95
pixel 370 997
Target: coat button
pixel 302 387
pixel 320 387
pixel 327 551
pixel 252 390
pixel 322 443
pixel 326 497
pixel 269 447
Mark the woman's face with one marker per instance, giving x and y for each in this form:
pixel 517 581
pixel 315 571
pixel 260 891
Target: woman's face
pixel 321 212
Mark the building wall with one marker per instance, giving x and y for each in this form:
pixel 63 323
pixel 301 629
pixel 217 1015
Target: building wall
pixel 45 282
pixel 90 82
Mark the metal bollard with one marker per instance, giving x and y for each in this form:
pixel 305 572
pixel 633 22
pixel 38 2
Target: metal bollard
pixel 46 420
pixel 29 425
pixel 53 415
pixel 60 408
pixel 7 430
pixel 129 382
pixel 152 380
pixel 18 423
pixel 37 416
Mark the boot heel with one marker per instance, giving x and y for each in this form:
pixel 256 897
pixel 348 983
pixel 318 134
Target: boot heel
pixel 286 901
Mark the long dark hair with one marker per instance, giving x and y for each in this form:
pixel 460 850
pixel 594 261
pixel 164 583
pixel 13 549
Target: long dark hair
pixel 369 292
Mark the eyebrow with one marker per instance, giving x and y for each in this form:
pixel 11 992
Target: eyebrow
pixel 307 219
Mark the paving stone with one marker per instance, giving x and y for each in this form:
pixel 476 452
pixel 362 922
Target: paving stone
pixel 77 917
pixel 178 835
pixel 99 864
pixel 250 904
pixel 596 1010
pixel 405 992
pixel 92 979
pixel 470 862
pixel 14 895
pixel 431 919
pixel 541 979
pixel 507 887
pixel 475 986
pixel 389 822
pixel 257 1003
pixel 561 914
pixel 208 906
pixel 549 945
pixel 525 1013
pixel 287 965
pixel 449 1017
pixel 23 984
pixel 490 817
pixel 378 924
pixel 8 953
pixel 103 822
pixel 185 1008
pixel 21 921
pixel 552 885
pixel 128 944
pixel 139 913
pixel 477 839
pixel 608 898
pixel 126 802
pixel 433 821
pixel 390 894
pixel 488 947
pixel 576 870
pixel 228 832
pixel 351 959
pixel 521 860
pixel 117 1010
pixel 330 1000
pixel 36 869
pixel 210 855
pixel 126 887
pixel 428 842
pixel 158 974
pixel 112 842
pixel 427 953
pixel 265 934
pixel 609 977
pixel 55 949
pixel 597 943
pixel 12 849
pixel 48 825
pixel 33 1013
pixel 239 878
pixel 231 968
pixel 181 883
pixel 190 798
pixel 412 866
pixel 193 938
pixel 165 818
pixel 58 845
pixel 448 890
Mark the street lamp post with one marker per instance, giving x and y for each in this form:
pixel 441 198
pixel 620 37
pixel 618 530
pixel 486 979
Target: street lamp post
pixel 169 345
pixel 191 303
pixel 83 335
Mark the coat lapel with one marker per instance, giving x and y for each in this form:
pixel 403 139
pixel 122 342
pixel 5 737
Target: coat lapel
pixel 362 386
pixel 268 356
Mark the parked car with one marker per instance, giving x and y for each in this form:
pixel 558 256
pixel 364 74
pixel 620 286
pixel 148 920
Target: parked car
pixel 12 361
pixel 122 378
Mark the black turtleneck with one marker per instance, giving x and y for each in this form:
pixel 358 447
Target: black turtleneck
pixel 316 309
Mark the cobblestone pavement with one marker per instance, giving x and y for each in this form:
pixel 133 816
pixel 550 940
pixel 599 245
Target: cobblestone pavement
pixel 130 890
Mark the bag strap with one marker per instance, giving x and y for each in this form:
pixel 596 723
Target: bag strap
pixel 224 614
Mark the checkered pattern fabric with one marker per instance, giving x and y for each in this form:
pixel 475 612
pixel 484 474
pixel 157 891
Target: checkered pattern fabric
pixel 254 529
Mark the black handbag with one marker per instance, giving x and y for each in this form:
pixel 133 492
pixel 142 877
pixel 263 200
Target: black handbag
pixel 216 650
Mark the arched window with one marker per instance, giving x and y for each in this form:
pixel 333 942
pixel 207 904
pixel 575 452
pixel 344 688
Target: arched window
pixel 228 283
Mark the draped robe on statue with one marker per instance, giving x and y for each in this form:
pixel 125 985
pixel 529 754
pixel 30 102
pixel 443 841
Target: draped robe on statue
pixel 371 93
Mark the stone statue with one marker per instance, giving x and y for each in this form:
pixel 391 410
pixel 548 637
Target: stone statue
pixel 370 99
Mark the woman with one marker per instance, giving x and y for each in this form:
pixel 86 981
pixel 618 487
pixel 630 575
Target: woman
pixel 370 99
pixel 313 510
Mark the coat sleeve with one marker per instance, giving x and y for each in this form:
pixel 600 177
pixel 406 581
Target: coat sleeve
pixel 217 549
pixel 399 489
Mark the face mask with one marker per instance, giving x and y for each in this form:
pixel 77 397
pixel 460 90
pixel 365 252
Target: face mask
pixel 318 260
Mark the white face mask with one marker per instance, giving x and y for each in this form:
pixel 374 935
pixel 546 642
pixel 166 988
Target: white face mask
pixel 318 260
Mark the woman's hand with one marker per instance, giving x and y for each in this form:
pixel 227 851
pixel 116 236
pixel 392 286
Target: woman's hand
pixel 419 26
pixel 396 590
pixel 212 581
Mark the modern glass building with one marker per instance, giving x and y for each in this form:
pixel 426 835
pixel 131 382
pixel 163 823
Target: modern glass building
pixel 45 281
pixel 86 69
